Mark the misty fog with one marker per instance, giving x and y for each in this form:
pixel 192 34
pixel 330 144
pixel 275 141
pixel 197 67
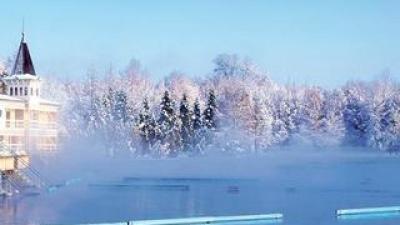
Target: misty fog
pixel 90 186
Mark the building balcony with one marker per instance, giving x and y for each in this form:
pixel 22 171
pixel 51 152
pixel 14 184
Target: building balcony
pixel 42 125
pixel 16 147
pixel 47 147
pixel 18 124
pixel 35 125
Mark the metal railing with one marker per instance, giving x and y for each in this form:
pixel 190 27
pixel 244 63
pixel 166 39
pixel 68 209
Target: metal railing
pixel 47 147
pixel 20 124
pixel 42 125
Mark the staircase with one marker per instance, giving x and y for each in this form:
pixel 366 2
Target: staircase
pixel 22 178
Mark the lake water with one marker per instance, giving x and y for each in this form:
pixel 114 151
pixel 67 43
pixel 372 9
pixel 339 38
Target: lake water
pixel 307 187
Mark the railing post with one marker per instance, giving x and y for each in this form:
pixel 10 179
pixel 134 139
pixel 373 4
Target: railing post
pixel 2 182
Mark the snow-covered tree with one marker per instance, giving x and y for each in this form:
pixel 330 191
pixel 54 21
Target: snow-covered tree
pixel 122 111
pixel 286 115
pixel 169 127
pixel 356 115
pixel 209 114
pixel 198 128
pixel 262 119
pixel 179 84
pixel 253 113
pixel 186 128
pixel 196 117
pixel 385 123
pixel 331 131
pixel 148 128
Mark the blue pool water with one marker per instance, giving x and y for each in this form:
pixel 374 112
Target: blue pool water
pixel 307 189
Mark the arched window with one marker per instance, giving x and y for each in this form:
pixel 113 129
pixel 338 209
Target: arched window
pixel 11 91
pixel 16 91
pixel 21 91
pixel 26 90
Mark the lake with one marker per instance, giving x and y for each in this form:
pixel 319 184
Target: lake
pixel 306 186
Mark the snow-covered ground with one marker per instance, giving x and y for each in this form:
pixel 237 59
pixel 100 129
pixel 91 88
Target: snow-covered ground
pixel 306 186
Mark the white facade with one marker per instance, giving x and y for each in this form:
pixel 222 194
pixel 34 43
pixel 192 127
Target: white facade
pixel 26 120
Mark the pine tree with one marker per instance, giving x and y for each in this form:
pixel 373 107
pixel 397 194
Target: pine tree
pixel 210 111
pixel 198 129
pixel 147 128
pixel 186 126
pixel 167 113
pixel 197 124
pixel 385 125
pixel 356 117
pixel 121 107
pixel 95 120
pixel 169 129
pixel 261 124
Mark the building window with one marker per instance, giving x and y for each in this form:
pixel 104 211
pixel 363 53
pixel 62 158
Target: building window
pixel 19 114
pixel 35 115
pixel 31 91
pixel 1 113
pixel 26 91
pixel 16 91
pixel 37 91
pixel 21 91
pixel 8 123
pixel 52 116
pixel 17 140
pixel 11 91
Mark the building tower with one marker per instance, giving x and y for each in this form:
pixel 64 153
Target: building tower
pixel 27 121
pixel 23 81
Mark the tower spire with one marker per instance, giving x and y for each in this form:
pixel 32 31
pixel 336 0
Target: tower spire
pixel 23 30
pixel 23 62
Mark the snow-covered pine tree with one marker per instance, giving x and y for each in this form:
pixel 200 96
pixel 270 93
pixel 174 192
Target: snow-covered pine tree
pixel 186 129
pixel 331 129
pixel 286 116
pixel 121 108
pixel 280 107
pixel 385 123
pixel 96 120
pixel 210 111
pixel 169 128
pixel 147 128
pixel 197 126
pixel 262 124
pixel 356 117
pixel 196 118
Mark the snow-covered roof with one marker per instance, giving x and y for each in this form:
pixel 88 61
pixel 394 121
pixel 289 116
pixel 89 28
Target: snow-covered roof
pixel 47 102
pixel 9 98
pixel 21 77
pixel 39 100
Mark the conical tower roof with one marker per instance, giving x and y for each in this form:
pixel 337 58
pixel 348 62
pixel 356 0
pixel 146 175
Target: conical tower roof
pixel 23 61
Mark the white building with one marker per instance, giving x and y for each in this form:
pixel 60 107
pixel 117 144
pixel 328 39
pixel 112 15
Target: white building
pixel 27 121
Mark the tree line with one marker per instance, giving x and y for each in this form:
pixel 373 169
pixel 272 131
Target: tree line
pixel 245 111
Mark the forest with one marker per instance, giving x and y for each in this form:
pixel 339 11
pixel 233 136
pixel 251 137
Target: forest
pixel 235 108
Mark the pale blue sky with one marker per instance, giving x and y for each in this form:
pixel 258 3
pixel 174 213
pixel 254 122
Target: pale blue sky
pixel 312 42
